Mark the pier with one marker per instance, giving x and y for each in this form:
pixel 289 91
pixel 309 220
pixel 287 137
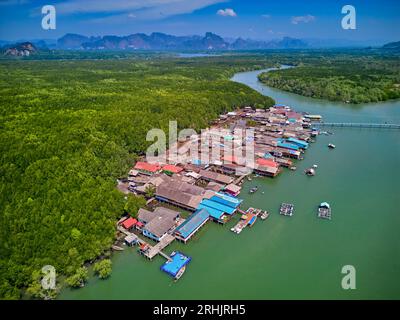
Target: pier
pixel 151 251
pixel 358 125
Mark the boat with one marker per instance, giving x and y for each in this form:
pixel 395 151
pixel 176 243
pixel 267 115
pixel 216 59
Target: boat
pixel 315 166
pixel 264 215
pixel 249 178
pixel 324 211
pixel 310 172
pixel 254 189
pixel 180 273
pixel 332 146
pixel 293 168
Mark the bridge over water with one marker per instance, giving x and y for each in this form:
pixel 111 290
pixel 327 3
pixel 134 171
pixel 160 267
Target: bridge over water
pixel 358 125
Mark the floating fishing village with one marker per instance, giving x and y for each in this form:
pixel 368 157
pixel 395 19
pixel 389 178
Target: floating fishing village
pixel 189 188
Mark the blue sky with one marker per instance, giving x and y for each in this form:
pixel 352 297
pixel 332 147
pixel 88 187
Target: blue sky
pixel 257 19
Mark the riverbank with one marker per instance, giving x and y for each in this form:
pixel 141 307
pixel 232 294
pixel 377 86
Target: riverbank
pixel 300 257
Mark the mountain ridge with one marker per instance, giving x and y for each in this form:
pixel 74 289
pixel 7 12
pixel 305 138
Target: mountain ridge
pixel 162 41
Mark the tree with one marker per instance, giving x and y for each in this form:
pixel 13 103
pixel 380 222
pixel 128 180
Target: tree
pixel 103 268
pixel 133 204
pixel 79 278
pixel 150 191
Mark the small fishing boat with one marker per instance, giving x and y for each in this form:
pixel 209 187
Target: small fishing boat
pixel 315 166
pixel 331 146
pixel 264 215
pixel 324 211
pixel 254 189
pixel 293 168
pixel 180 273
pixel 310 172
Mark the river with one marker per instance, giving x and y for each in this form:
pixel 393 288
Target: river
pixel 299 257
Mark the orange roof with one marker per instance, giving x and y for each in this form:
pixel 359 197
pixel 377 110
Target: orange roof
pixel 172 168
pixel 129 223
pixel 267 162
pixel 146 166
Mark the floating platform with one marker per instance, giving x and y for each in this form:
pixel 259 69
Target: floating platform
pixel 286 209
pixel 324 211
pixel 248 218
pixel 177 265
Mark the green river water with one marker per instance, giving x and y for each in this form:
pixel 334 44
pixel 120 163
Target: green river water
pixel 299 257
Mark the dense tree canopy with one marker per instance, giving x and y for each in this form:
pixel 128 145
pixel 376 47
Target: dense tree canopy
pixel 354 79
pixel 69 129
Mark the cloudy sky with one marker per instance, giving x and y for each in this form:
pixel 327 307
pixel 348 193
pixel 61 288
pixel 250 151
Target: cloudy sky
pixel 257 19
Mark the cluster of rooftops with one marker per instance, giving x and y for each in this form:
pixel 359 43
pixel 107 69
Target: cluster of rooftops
pixel 209 188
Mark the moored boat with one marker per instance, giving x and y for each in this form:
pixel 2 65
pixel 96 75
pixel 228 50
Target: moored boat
pixel 254 189
pixel 264 215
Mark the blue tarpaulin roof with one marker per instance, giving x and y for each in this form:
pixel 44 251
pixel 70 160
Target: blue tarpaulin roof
pixel 193 222
pixel 179 260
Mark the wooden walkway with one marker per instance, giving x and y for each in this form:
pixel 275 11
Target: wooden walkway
pixel 153 250
pixel 157 249
pixel 358 125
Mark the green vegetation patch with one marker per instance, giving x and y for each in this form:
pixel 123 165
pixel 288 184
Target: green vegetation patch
pixel 345 78
pixel 69 129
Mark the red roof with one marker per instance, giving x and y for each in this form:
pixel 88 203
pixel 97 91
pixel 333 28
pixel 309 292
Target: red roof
pixel 139 224
pixel 267 162
pixel 146 166
pixel 172 168
pixel 129 223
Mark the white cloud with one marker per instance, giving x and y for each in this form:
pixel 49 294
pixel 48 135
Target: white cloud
pixel 146 9
pixel 226 12
pixel 303 19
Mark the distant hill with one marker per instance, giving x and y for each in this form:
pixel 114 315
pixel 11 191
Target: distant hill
pixel 162 41
pixel 392 45
pixel 20 49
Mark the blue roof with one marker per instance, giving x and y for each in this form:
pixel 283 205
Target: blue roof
pixel 193 222
pixel 287 145
pixel 218 206
pixel 267 155
pixel 216 214
pixel 179 260
pixel 227 200
pixel 298 142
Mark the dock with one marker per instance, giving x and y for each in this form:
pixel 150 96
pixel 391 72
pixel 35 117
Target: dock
pixel 151 251
pixel 248 218
pixel 157 249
